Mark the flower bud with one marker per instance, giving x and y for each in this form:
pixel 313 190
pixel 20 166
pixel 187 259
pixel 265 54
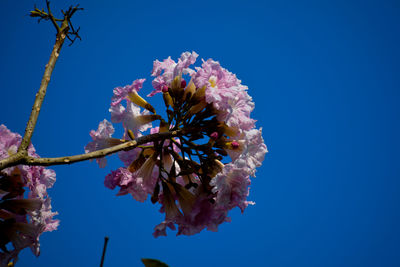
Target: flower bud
pixel 235 145
pixel 144 119
pixel 164 88
pixel 183 83
pixel 131 134
pixel 176 83
pixel 168 99
pixel 138 100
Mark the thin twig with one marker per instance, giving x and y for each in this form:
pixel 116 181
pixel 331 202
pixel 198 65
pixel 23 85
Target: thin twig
pixel 104 250
pixel 52 18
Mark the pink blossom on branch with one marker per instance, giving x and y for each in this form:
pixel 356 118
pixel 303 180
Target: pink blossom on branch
pixel 203 173
pixel 23 217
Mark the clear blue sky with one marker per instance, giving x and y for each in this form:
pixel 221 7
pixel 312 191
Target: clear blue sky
pixel 325 79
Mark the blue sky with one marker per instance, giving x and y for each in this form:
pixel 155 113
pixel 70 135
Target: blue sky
pixel 325 79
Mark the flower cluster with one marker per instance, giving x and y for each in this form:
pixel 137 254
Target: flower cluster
pixel 25 208
pixel 202 170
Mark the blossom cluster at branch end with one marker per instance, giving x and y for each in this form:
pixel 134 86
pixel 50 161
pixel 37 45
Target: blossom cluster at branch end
pixel 201 174
pixel 25 207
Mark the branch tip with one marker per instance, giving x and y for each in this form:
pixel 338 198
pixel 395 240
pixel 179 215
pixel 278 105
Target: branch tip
pixel 61 24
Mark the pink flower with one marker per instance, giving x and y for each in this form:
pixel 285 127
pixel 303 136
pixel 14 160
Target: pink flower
pixel 10 142
pixel 253 152
pixel 128 156
pixel 186 173
pixel 101 139
pixel 28 217
pixel 205 213
pixel 237 111
pixel 120 93
pixel 160 230
pixel 226 93
pixel 167 70
pixel 130 115
pixel 231 186
pixel 212 75
pixel 139 183
pixel 131 120
pixel 128 182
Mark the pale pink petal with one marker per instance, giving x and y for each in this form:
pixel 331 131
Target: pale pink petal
pixel 100 140
pixel 120 93
pixel 167 70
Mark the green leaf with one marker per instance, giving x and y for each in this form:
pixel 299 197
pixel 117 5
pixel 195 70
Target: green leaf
pixel 153 263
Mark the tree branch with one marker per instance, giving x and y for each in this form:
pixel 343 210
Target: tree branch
pixel 41 93
pixel 17 159
pixel 62 33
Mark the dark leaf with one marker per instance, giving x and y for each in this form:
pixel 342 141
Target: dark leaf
pixel 153 263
